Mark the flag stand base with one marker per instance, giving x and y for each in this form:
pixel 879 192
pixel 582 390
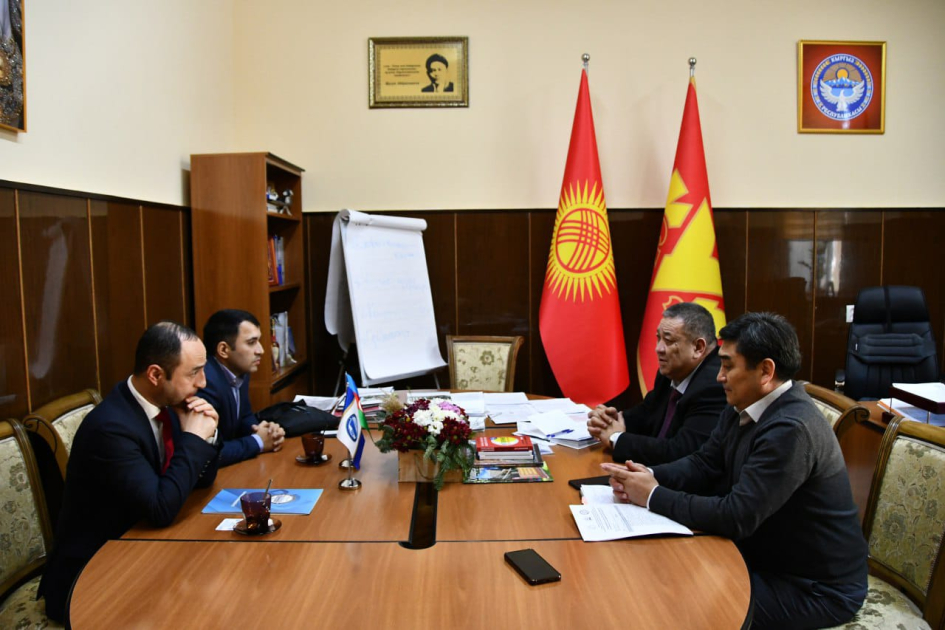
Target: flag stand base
pixel 345 463
pixel 350 483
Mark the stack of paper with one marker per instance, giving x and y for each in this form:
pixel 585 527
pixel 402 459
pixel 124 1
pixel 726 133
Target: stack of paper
pixel 558 428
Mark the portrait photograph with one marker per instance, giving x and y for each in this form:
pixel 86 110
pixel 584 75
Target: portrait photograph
pixel 841 87
pixel 418 72
pixel 12 66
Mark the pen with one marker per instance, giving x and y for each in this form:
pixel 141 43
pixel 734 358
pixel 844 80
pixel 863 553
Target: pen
pixel 560 433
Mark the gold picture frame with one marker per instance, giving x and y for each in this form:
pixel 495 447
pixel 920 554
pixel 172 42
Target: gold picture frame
pixel 841 87
pixel 418 72
pixel 12 66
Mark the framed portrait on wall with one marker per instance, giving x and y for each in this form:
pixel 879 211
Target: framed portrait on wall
pixel 418 72
pixel 12 66
pixel 841 87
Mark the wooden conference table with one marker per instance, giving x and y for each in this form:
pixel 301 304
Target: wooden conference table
pixel 350 561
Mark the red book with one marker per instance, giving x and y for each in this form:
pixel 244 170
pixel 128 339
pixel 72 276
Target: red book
pixel 504 444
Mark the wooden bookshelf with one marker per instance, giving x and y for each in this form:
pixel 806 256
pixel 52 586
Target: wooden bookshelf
pixel 231 228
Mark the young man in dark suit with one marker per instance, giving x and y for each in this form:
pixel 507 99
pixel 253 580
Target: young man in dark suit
pixel 136 456
pixel 772 478
pixel 677 416
pixel 232 339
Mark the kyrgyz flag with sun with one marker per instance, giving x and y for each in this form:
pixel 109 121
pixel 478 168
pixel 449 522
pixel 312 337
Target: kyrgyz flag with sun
pixel 581 327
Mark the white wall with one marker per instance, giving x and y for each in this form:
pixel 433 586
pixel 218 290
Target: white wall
pixel 507 150
pixel 121 93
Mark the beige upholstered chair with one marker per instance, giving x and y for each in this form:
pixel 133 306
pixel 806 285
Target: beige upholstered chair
pixel 483 363
pixel 841 412
pixel 57 422
pixel 26 532
pixel 904 525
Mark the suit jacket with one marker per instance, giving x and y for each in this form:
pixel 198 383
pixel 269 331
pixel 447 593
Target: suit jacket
pixel 234 431
pixel 113 480
pixel 697 413
pixel 429 88
pixel 783 494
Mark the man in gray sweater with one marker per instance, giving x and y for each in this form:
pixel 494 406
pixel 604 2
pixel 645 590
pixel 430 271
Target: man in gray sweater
pixel 785 496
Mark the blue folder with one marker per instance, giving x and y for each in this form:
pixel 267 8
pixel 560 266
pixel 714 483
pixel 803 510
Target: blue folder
pixel 285 501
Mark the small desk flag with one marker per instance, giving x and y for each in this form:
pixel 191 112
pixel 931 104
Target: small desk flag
pixel 687 258
pixel 579 318
pixel 352 422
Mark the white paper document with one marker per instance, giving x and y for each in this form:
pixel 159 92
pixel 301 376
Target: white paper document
pixel 473 402
pixel 598 522
pixel 565 405
pixel 508 414
pixel 505 398
pixel 597 495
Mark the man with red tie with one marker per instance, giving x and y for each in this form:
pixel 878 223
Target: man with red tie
pixel 136 456
pixel 677 416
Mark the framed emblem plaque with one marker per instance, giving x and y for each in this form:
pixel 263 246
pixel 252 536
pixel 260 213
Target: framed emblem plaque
pixel 418 72
pixel 841 87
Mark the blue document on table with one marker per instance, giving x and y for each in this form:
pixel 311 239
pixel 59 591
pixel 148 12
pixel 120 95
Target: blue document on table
pixel 285 501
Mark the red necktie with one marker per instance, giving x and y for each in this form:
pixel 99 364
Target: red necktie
pixel 670 412
pixel 167 432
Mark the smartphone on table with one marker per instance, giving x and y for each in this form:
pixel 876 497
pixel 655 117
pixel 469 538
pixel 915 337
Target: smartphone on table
pixel 532 566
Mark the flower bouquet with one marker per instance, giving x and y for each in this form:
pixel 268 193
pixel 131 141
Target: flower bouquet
pixel 439 428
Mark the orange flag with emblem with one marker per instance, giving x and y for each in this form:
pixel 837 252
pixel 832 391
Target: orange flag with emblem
pixel 687 259
pixel 579 318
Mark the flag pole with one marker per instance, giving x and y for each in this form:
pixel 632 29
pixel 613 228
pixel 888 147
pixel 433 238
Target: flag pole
pixel 585 58
pixel 692 67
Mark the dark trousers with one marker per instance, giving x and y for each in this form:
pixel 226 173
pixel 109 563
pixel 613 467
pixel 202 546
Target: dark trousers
pixel 784 601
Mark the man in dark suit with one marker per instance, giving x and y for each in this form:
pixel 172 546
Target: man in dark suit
pixel 437 67
pixel 232 339
pixel 136 456
pixel 677 416
pixel 772 478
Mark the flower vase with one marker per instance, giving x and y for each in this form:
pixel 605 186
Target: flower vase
pixel 413 467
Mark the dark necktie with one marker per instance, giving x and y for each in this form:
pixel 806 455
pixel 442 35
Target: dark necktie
pixel 670 412
pixel 167 433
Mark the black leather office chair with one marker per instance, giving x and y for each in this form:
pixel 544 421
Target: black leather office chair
pixel 890 341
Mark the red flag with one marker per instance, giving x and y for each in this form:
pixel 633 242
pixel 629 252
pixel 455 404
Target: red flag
pixel 687 259
pixel 579 318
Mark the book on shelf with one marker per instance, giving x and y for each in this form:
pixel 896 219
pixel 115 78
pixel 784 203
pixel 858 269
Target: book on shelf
pixel 280 258
pixel 504 444
pixel 283 349
pixel 271 260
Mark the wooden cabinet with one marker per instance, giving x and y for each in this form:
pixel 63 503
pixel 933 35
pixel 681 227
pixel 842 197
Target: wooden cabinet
pixel 231 229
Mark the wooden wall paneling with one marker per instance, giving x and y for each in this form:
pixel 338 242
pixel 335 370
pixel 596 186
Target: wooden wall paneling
pixel 730 237
pixel 117 263
pixel 188 271
pixel 847 259
pixel 912 255
pixel 540 379
pixel 57 290
pixel 324 350
pixel 636 235
pixel 164 253
pixel 14 399
pixel 492 277
pixel 780 271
